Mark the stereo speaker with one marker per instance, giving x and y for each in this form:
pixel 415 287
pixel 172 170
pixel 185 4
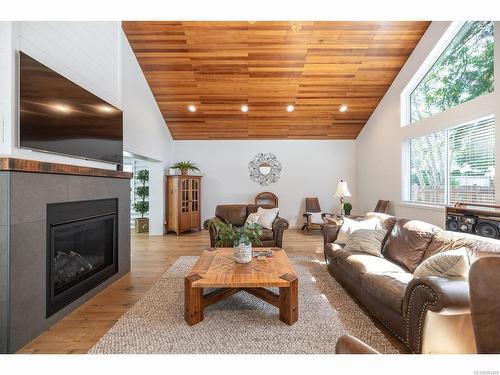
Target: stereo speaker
pixel 461 223
pixel 488 228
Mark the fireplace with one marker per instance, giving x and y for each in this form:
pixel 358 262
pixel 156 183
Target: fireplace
pixel 81 249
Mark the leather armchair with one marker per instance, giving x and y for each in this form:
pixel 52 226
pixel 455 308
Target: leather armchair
pixel 351 345
pixel 279 227
pixel 236 214
pixel 485 303
pixel 212 231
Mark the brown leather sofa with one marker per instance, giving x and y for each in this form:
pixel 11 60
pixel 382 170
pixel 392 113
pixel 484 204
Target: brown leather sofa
pixel 484 289
pixel 386 287
pixel 237 214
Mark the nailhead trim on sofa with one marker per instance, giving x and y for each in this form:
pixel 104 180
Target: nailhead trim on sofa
pixel 424 309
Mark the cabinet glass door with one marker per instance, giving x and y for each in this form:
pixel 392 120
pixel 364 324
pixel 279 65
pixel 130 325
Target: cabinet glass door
pixel 184 215
pixel 195 203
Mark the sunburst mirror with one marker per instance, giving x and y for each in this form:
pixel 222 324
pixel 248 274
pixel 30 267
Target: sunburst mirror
pixel 264 169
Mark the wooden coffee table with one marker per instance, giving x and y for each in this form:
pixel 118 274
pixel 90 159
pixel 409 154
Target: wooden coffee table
pixel 216 268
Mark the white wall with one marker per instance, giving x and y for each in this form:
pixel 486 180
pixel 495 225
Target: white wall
pixel 6 88
pixel 145 132
pixel 379 145
pixel 144 129
pixel 310 169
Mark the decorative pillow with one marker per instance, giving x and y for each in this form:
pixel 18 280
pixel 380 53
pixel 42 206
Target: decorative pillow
pixel 349 226
pixel 408 242
pixel 267 217
pixel 448 263
pixel 252 218
pixel 387 222
pixel 366 241
pixel 316 217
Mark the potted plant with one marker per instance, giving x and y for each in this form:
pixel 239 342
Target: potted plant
pixel 185 166
pixel 142 205
pixel 240 237
pixel 347 208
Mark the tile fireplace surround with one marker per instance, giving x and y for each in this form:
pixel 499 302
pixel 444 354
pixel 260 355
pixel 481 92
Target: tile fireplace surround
pixel 26 187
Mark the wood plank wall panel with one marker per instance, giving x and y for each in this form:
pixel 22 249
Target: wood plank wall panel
pixel 316 66
pixel 37 166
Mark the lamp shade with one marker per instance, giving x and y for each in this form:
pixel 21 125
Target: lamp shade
pixel 342 190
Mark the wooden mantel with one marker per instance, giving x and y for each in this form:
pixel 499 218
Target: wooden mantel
pixel 35 166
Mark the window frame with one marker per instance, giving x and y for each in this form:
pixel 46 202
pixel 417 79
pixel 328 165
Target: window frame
pixel 406 165
pixel 429 62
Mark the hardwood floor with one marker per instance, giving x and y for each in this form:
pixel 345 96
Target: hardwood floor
pixel 151 257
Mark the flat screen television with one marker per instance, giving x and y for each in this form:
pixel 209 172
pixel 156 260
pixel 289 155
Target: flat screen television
pixel 58 116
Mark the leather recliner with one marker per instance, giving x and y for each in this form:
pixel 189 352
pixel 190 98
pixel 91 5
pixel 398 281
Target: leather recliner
pixel 236 214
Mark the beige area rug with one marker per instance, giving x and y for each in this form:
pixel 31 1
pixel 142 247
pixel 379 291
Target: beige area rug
pixel 242 323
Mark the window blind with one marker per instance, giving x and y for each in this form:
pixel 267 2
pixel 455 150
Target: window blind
pixel 471 154
pixel 454 165
pixel 428 168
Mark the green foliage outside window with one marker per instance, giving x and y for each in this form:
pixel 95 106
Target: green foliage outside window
pixel 463 72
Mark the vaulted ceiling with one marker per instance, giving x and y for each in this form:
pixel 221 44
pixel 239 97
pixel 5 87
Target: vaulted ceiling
pixel 314 66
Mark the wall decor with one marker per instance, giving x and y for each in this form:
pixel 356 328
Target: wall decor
pixel 264 169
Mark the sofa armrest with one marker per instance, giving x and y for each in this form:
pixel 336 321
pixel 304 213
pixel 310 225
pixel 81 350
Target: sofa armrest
pixel 279 226
pixel 211 230
pixel 440 294
pixel 206 223
pixel 351 345
pixel 330 233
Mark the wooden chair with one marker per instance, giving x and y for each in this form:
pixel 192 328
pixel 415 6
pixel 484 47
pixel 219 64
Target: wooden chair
pixel 312 206
pixel 266 198
pixel 381 207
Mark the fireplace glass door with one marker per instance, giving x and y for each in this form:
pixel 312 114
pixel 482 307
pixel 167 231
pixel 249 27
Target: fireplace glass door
pixel 81 249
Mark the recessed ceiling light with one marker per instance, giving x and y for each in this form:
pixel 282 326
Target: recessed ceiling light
pixel 290 108
pixel 244 108
pixel 62 107
pixel 192 108
pixel 343 108
pixel 105 108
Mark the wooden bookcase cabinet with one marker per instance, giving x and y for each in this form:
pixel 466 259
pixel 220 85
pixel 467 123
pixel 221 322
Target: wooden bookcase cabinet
pixel 183 211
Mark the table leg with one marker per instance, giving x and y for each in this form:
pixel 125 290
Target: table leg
pixel 193 301
pixel 289 309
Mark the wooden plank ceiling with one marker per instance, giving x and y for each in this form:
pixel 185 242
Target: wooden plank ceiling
pixel 315 66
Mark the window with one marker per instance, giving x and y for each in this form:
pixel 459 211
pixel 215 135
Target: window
pixel 453 165
pixel 463 72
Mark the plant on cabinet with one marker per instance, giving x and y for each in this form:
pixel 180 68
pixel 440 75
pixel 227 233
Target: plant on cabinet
pixel 185 167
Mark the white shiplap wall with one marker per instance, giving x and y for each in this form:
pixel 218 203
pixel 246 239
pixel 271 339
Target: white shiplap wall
pixel 6 82
pixel 87 53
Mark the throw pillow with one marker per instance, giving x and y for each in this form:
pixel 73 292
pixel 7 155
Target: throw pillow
pixel 267 217
pixel 408 242
pixel 448 263
pixel 387 222
pixel 253 218
pixel 366 241
pixel 349 226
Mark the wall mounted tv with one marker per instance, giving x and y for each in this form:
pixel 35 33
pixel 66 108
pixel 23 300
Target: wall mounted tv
pixel 58 116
